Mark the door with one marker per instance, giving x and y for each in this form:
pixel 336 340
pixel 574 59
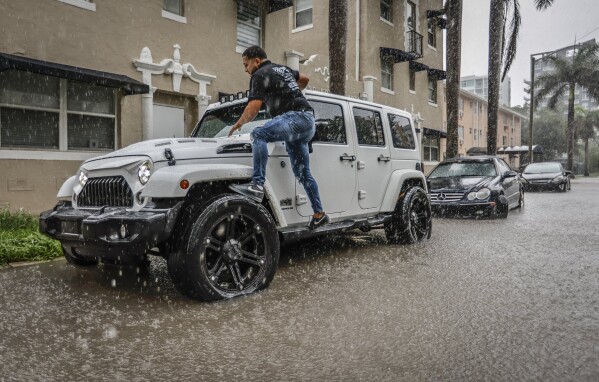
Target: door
pixel 332 161
pixel 510 185
pixel 373 157
pixel 169 122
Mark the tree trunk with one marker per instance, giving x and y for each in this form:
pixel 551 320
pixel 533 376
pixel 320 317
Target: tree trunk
pixel 586 157
pixel 454 43
pixel 570 128
pixel 337 43
pixel 496 28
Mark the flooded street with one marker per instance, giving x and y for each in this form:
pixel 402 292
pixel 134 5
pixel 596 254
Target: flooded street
pixel 514 299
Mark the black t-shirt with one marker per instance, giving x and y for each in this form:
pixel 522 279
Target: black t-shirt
pixel 276 85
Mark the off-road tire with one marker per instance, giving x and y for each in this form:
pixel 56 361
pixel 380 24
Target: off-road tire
pixel 230 248
pixel 412 220
pixel 73 258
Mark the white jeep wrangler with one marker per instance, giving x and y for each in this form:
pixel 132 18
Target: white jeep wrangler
pixel 171 196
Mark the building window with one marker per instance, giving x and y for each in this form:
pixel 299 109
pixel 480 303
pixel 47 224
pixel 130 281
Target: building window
pixel 174 6
pixel 411 13
pixel 303 13
pixel 387 10
pixel 432 33
pixel 461 132
pixel 387 73
pixel 36 110
pixel 432 90
pixel 461 104
pixel 431 148
pixel 412 79
pixel 249 24
pixel 505 141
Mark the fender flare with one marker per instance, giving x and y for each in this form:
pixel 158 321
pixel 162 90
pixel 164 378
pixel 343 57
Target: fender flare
pixel 396 181
pixel 164 183
pixel 67 188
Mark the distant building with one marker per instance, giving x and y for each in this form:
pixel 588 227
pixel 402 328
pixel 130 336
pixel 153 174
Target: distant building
pixel 544 66
pixel 479 85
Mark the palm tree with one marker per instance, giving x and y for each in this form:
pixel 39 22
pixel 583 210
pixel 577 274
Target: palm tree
pixel 586 124
pixel 582 69
pixel 337 43
pixel 453 9
pixel 499 54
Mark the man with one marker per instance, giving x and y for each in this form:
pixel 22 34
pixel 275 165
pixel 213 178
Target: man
pixel 279 87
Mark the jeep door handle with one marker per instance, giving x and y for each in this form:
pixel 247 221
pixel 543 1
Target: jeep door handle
pixel 383 158
pixel 350 158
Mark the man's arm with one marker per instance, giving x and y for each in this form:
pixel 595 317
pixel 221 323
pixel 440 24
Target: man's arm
pixel 303 80
pixel 249 113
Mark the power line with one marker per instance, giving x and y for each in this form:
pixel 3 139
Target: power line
pixel 589 33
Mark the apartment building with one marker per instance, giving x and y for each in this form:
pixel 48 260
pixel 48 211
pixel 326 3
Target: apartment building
pixel 479 85
pixel 79 78
pixel 473 128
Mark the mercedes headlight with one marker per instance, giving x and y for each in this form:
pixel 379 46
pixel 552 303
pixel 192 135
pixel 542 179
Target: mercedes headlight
pixel 481 194
pixel 82 179
pixel 144 172
pixel 558 179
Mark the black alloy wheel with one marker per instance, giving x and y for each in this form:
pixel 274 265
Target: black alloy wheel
pixel 230 249
pixel 412 220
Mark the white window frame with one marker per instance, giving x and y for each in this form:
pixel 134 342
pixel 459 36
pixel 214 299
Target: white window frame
pixel 389 4
pixel 434 91
pixel 174 16
pixel 296 10
pixel 85 4
pixel 387 69
pixel 239 48
pixel 431 31
pixel 426 144
pixel 63 152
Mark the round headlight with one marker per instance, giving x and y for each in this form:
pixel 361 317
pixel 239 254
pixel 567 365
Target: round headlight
pixel 471 195
pixel 483 193
pixel 82 179
pixel 144 172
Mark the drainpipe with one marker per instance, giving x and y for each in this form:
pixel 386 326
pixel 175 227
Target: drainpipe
pixel 357 39
pixel 293 58
pixel 368 88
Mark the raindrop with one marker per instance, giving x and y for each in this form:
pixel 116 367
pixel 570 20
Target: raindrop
pixel 113 283
pixel 110 332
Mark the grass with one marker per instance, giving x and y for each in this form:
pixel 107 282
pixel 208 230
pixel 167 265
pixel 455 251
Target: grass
pixel 20 239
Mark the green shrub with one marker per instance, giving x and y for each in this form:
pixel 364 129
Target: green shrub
pixel 20 239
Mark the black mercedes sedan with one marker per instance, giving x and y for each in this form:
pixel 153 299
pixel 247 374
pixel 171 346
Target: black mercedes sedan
pixel 474 186
pixel 546 175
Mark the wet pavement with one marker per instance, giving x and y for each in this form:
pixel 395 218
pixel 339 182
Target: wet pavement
pixel 496 300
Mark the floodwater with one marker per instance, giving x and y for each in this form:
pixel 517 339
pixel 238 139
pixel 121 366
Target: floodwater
pixel 514 299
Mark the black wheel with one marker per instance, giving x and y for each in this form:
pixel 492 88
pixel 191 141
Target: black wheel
pixel 229 249
pixel 521 198
pixel 563 187
pixel 73 258
pixel 502 208
pixel 412 219
pixel 569 185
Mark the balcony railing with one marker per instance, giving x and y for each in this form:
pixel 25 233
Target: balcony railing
pixel 414 42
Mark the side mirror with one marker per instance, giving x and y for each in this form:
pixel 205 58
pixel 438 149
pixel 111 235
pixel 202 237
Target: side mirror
pixel 510 174
pixel 568 172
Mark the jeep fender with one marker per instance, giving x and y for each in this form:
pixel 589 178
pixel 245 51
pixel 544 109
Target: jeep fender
pixel 165 182
pixel 66 190
pixel 396 182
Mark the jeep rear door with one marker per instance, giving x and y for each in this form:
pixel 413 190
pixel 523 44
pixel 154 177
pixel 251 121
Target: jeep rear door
pixel 332 161
pixel 373 158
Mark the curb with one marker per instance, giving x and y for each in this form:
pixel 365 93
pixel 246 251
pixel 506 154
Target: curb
pixel 19 264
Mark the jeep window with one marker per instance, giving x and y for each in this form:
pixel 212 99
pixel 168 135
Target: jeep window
pixel 330 125
pixel 401 132
pixel 216 123
pixel 369 127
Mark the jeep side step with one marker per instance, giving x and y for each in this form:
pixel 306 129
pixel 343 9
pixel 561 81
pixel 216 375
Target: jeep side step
pixel 299 233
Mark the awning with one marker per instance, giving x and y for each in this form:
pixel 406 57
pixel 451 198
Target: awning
pixel 477 151
pixel 519 149
pixel 398 55
pixel 111 80
pixel 277 5
pixel 433 133
pixel 436 73
pixel 418 66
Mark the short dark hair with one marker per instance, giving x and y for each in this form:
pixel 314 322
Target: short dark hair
pixel 254 52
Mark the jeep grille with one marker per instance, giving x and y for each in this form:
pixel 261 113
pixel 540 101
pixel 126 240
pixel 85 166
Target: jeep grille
pixel 112 191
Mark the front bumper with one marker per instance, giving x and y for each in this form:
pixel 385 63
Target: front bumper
pixel 109 231
pixel 463 208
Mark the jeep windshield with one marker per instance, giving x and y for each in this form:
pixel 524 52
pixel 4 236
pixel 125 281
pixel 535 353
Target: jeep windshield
pixel 216 123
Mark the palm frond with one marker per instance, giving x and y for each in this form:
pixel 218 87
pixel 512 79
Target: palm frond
pixel 557 96
pixel 543 4
pixel 510 52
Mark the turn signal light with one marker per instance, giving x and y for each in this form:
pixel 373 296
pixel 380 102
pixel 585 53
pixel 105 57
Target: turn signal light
pixel 184 184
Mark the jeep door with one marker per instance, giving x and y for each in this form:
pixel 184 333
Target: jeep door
pixel 373 158
pixel 332 161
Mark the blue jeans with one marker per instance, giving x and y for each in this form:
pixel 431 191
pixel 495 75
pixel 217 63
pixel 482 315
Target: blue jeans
pixel 295 128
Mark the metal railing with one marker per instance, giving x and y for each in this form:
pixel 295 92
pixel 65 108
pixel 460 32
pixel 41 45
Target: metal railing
pixel 414 42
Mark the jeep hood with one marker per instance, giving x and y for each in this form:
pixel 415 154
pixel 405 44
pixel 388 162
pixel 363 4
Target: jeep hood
pixel 463 184
pixel 181 148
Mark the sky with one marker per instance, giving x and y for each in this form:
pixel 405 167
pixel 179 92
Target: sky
pixel 560 25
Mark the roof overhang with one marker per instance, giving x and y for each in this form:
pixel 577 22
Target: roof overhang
pixel 127 85
pixel 277 5
pixel 398 55
pixel 433 133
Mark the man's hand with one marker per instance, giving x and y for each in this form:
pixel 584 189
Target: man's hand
pixel 249 113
